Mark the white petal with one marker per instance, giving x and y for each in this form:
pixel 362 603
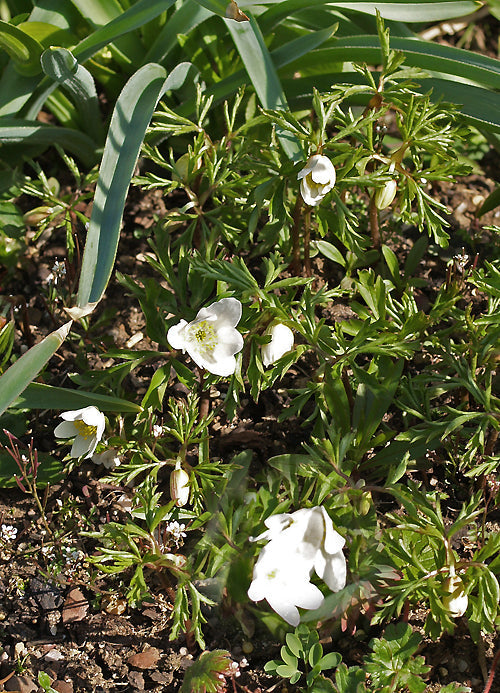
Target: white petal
pixel 334 542
pixel 66 429
pixel 323 171
pixel 176 337
pixel 257 590
pixel 281 342
pixel 72 415
pixel 223 367
pixel 332 569
pixel 309 196
pixel 227 311
pixel 279 602
pixel 229 341
pixel 308 596
pixel 93 417
pixel 81 446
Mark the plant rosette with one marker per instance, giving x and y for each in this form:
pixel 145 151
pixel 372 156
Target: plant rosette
pixel 86 425
pixel 211 339
pixel 299 543
pixel 317 178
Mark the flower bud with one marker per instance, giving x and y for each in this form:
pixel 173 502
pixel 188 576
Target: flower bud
pixel 384 196
pixel 317 178
pixel 179 486
pixel 281 342
pixel 456 600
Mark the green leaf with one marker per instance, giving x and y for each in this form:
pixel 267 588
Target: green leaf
pixel 27 132
pixel 24 50
pixel 61 66
pixel 322 685
pixel 329 251
pixel 259 65
pixel 39 396
pixel 203 675
pixel 189 15
pixel 129 122
pixel 136 16
pixel 156 390
pixel 25 369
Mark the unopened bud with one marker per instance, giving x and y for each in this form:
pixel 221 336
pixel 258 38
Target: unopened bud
pixel 365 503
pixel 182 165
pixel 37 214
pixel 179 486
pixel 456 600
pixel 384 196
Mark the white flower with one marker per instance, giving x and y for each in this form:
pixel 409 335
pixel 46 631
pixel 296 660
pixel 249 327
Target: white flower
pixel 87 425
pixel 284 582
pixel 317 178
pixel 8 532
pixel 281 342
pixel 299 543
pixel 211 338
pixel 108 459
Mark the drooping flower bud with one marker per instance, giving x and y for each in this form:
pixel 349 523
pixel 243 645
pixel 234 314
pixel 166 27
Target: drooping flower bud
pixel 281 343
pixel 179 486
pixel 385 196
pixel 456 601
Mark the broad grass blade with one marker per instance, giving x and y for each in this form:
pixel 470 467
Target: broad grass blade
pixel 260 67
pixel 129 122
pixel 40 396
pixel 61 66
pixel 24 370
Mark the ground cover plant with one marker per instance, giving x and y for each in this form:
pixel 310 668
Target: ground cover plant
pixel 249 340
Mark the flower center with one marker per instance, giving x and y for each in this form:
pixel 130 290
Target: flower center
pixel 203 335
pixel 84 429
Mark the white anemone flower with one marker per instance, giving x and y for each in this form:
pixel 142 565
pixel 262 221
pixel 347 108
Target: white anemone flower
pixel 87 425
pixel 284 583
pixel 281 343
pixel 211 339
pixel 299 543
pixel 317 178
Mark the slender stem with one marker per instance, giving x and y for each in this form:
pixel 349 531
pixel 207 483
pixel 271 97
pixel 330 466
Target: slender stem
pixel 295 233
pixel 492 672
pixel 348 390
pixel 490 445
pixel 374 224
pixel 204 396
pixel 307 240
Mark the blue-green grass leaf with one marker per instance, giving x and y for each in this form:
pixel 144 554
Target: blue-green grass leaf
pixel 16 378
pixel 129 122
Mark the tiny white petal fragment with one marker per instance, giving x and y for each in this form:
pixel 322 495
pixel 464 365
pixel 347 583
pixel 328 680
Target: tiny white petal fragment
pixel 317 178
pixel 108 458
pixel 211 339
pixel 87 425
pixel 299 543
pixel 280 344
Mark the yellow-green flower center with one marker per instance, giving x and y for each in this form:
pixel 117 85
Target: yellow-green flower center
pixel 84 429
pixel 203 335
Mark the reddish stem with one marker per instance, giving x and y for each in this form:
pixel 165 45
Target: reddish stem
pixel 492 672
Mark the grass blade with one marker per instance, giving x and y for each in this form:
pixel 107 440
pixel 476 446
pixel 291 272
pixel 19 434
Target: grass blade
pixel 25 369
pixel 39 396
pixel 260 67
pixel 129 122
pixel 61 66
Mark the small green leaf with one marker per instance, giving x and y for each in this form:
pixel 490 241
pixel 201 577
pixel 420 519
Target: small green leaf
pixel 203 675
